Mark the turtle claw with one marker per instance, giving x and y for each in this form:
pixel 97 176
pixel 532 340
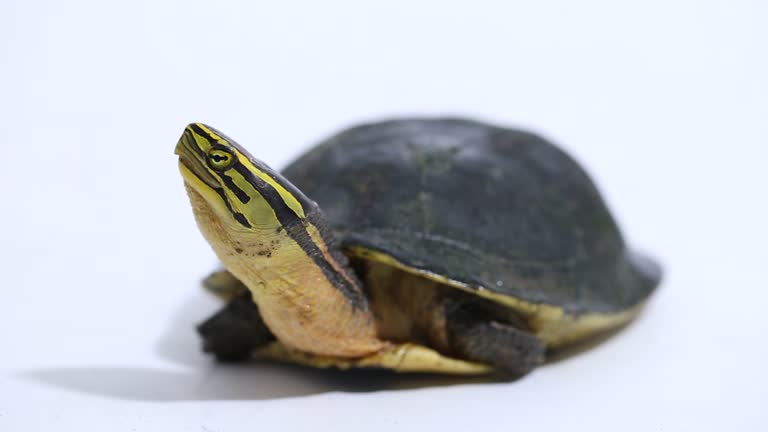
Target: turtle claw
pixel 235 331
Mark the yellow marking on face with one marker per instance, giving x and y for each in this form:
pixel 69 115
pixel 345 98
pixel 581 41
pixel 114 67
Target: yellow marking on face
pixel 198 186
pixel 202 142
pixel 257 210
pixel 213 158
pixel 288 197
pixel 210 132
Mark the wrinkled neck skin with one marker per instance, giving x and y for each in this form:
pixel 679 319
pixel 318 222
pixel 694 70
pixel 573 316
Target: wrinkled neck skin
pixel 296 300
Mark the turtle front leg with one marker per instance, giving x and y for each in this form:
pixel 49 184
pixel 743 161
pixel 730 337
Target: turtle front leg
pixel 224 285
pixel 478 337
pixel 234 332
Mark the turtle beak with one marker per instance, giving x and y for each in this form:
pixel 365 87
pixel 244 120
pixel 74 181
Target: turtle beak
pixel 191 161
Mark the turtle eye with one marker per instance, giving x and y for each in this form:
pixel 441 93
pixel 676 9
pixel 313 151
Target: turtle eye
pixel 220 159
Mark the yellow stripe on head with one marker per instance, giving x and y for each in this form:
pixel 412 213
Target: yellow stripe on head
pixel 253 204
pixel 247 160
pixel 289 198
pixel 254 194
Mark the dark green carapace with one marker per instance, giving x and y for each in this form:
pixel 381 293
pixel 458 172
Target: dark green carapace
pixel 495 209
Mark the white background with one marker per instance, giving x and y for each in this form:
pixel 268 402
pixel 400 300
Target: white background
pixel 664 102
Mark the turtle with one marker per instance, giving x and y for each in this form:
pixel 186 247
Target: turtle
pixel 441 245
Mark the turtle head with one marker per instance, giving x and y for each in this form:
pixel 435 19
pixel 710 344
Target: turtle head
pixel 271 237
pixel 232 188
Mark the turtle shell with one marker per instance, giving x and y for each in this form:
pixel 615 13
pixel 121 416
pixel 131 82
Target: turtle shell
pixel 487 207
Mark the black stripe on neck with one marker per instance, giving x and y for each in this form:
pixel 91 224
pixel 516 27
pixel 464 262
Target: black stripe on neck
pixel 295 228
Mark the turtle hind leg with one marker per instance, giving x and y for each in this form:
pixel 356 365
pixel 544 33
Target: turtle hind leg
pixel 235 331
pixel 477 337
